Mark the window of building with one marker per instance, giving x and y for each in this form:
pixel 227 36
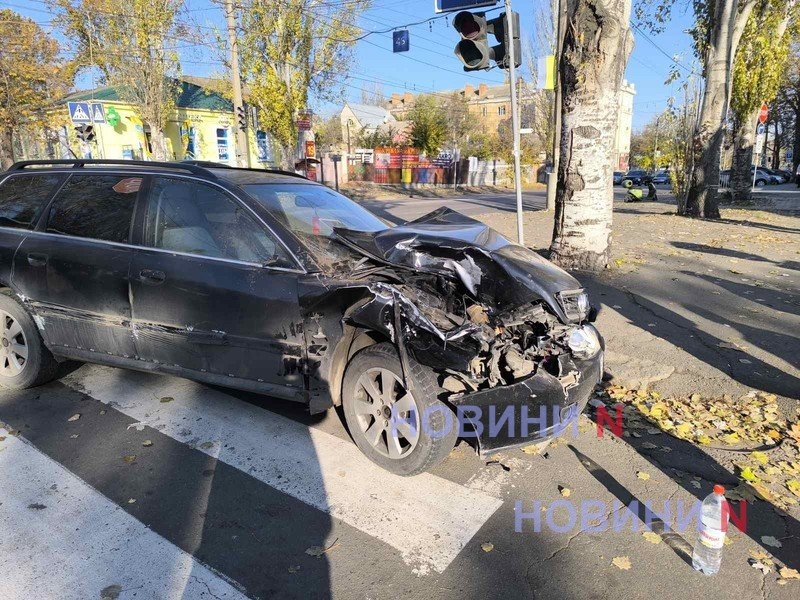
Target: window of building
pixel 23 197
pixel 262 147
pixel 223 144
pixel 195 218
pixel 501 110
pixel 95 206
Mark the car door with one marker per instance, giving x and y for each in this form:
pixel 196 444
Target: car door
pixel 23 197
pixel 214 291
pixel 74 268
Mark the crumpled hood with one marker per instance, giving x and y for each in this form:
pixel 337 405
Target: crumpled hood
pixel 491 267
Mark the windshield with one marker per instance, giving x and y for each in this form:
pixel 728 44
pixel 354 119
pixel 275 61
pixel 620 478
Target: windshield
pixel 314 210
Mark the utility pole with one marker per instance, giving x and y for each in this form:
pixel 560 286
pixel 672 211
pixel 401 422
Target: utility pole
pixel 240 136
pixel 512 80
pixel 655 149
pixel 552 178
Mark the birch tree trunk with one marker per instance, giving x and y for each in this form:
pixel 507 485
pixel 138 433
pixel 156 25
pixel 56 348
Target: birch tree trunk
pixel 158 142
pixel 744 138
pixel 727 21
pixel 597 44
pixel 6 147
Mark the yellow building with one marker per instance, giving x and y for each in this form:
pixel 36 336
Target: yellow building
pixel 201 127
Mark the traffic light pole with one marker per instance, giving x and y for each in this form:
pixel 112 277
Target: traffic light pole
pixel 240 136
pixel 512 78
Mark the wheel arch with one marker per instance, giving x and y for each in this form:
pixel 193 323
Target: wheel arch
pixel 353 340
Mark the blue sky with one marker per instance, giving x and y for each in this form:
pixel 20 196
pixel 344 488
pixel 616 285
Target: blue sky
pixel 430 65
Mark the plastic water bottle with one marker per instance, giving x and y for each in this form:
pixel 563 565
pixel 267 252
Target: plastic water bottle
pixel 707 553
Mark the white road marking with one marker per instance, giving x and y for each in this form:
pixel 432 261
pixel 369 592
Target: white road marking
pixel 60 538
pixel 426 518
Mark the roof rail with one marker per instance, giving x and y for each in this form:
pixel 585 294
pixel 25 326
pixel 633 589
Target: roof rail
pixel 79 163
pixel 215 165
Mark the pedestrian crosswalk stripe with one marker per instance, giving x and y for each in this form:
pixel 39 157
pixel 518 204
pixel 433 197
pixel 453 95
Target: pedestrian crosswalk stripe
pixel 63 539
pixel 428 519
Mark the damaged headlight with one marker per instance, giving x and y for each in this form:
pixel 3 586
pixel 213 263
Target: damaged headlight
pixel 575 304
pixel 584 342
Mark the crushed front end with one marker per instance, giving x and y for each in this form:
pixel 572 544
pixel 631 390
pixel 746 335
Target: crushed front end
pixel 507 332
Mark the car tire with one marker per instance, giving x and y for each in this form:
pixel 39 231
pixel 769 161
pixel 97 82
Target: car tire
pixel 25 362
pixel 627 184
pixel 760 183
pixel 427 429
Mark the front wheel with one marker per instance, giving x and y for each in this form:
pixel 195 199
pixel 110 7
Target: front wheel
pixel 404 430
pixel 760 183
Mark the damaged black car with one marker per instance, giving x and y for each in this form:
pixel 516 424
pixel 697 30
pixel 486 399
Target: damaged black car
pixel 422 333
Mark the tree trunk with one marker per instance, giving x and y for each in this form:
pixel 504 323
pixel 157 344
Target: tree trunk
pixel 796 142
pixel 597 44
pixel 158 143
pixel 6 147
pixel 728 21
pixel 744 137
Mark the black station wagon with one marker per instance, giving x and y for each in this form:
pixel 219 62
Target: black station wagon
pixel 264 281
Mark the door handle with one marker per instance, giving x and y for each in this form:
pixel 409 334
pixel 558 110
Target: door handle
pixel 152 277
pixel 37 260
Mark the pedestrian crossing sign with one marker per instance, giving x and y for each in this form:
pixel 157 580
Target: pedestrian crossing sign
pixel 79 112
pixel 98 113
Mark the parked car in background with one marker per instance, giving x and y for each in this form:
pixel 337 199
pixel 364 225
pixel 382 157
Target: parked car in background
pixel 636 178
pixel 618 175
pixel 788 175
pixel 762 178
pixel 662 177
pixel 777 176
pixel 267 282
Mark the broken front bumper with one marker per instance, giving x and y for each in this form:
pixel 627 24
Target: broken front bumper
pixel 529 411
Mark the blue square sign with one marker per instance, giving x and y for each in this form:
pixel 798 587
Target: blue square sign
pixel 79 112
pixel 400 41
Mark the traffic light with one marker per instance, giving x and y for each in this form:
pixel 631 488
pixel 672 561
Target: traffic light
pixel 474 51
pixel 241 117
pixel 85 132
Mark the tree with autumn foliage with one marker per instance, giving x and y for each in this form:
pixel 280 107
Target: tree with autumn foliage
pixel 290 49
pixel 129 42
pixel 757 72
pixel 33 76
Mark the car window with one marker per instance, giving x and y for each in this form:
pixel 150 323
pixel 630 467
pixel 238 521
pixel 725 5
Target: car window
pixel 95 206
pixel 309 209
pixel 23 197
pixel 195 218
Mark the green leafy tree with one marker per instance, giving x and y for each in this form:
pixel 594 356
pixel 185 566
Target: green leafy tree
pixel 130 43
pixel 289 49
pixel 757 73
pixel 33 76
pixel 428 125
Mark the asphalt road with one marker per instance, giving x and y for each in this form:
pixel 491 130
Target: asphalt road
pixel 406 209
pixel 164 488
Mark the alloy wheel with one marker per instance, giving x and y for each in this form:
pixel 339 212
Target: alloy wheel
pixel 386 413
pixel 14 349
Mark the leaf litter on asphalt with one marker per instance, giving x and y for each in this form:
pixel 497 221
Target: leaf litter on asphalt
pixel 767 458
pixel 622 562
pixel 318 551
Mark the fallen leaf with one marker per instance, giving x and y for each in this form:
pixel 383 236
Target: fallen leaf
pixel 206 445
pixel 652 537
pixel 131 500
pixel 622 562
pixel 649 445
pixel 166 399
pixel 759 457
pixel 565 491
pixel 748 475
pixel 642 475
pixel 147 443
pixel 74 436
pixel 794 486
pixel 696 484
pixel 756 564
pixel 788 573
pixel 130 458
pixel 487 546
pixel 769 540
pixel 75 417
pixel 294 569
pixel 761 555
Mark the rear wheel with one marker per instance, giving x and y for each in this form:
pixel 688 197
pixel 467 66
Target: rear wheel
pixel 24 360
pixel 404 430
pixel 760 182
